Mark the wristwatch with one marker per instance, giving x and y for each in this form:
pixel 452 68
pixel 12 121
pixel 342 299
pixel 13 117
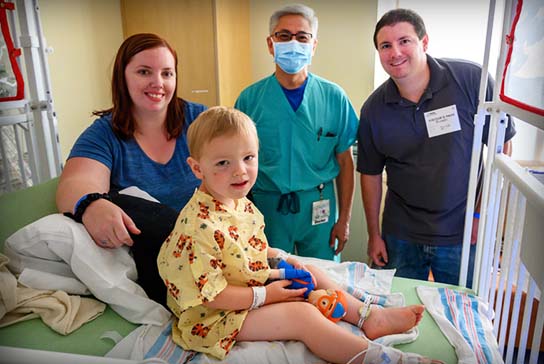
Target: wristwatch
pixel 84 202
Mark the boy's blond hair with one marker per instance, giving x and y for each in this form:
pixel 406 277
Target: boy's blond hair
pixel 215 122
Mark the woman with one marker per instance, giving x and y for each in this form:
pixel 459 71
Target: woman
pixel 140 141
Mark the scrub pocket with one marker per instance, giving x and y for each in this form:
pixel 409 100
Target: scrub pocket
pixel 321 148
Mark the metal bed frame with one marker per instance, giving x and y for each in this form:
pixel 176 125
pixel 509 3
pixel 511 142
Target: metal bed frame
pixel 508 267
pixel 28 126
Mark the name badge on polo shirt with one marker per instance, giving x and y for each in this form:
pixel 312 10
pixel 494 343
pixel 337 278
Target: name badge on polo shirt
pixel 442 121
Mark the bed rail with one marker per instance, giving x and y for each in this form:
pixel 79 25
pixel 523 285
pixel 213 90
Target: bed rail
pixel 511 272
pixel 508 272
pixel 29 143
pixel 17 146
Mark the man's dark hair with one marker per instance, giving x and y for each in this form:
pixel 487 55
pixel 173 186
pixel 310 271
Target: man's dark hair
pixel 395 16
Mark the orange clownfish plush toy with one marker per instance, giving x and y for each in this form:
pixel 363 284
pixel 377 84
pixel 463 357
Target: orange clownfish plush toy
pixel 331 303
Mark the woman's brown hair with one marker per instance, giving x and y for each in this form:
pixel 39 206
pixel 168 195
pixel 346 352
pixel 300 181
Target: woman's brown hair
pixel 121 115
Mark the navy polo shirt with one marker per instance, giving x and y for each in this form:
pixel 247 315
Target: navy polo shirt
pixel 427 178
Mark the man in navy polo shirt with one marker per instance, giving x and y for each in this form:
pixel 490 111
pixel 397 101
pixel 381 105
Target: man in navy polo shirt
pixel 419 126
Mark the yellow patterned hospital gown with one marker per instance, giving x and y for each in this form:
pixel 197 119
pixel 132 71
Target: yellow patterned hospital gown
pixel 211 246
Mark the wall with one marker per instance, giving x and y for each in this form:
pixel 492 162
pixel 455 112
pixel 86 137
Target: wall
pixel 233 50
pixel 528 143
pixel 84 35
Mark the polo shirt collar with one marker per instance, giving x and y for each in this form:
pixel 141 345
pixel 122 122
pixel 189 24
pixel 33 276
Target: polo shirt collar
pixel 439 76
pixel 438 80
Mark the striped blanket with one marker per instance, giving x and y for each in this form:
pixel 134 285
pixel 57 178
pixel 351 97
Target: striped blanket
pixel 463 318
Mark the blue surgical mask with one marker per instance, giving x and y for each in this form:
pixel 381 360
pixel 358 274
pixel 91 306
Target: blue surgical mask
pixel 292 56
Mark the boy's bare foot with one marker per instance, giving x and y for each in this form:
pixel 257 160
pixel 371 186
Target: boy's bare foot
pixel 392 320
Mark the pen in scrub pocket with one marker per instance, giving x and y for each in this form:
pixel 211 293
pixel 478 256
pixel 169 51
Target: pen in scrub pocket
pixel 319 133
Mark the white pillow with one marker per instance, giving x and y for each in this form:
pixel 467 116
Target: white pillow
pixel 57 245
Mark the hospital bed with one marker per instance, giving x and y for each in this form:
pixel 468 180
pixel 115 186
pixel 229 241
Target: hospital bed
pixel 508 263
pixel 23 207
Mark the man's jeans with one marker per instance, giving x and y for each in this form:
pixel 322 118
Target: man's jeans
pixel 412 260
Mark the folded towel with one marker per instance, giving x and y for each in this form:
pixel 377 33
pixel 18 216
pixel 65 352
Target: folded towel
pixel 58 310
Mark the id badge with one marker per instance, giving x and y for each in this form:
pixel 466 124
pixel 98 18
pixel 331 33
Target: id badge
pixel 442 121
pixel 320 212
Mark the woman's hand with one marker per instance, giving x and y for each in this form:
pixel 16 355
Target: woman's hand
pixel 108 224
pixel 276 292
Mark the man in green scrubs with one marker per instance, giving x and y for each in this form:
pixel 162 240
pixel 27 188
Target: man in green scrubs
pixel 306 127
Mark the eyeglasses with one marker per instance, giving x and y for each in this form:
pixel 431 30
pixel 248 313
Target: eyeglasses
pixel 286 36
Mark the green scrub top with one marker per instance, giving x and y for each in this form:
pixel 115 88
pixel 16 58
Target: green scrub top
pixel 298 148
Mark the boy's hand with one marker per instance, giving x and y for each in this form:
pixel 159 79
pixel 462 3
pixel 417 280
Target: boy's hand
pixel 277 292
pixel 274 274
